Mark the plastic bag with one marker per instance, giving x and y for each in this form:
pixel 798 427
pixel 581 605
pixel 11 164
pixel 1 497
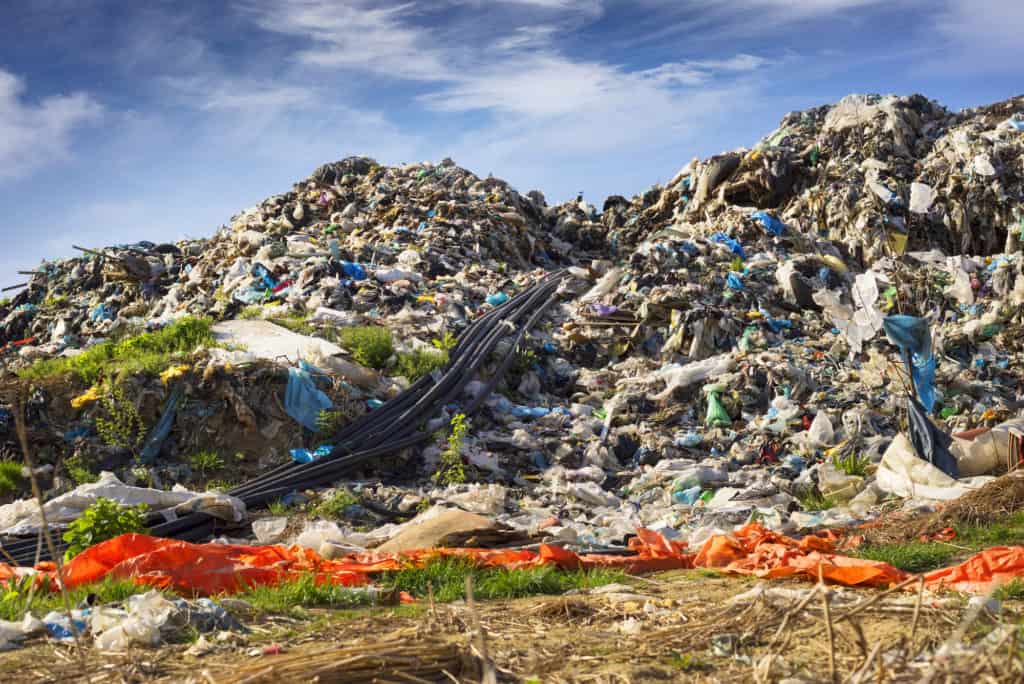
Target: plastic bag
pixel 931 444
pixel 717 416
pixel 302 400
pixel 769 222
pixel 912 335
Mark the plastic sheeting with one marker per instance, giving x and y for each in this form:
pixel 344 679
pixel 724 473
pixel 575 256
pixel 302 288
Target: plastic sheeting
pixel 750 550
pixel 302 400
pixel 913 336
pixel 930 443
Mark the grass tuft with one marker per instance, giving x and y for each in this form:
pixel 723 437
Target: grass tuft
pixel 10 476
pixel 815 501
pixel 912 557
pixel 414 365
pixel 149 352
pixel 333 507
pixel 371 345
pixel 304 592
pixel 447 577
pixel 14 602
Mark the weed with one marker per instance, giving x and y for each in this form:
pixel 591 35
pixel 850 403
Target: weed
pixel 708 572
pixel 149 352
pixel 450 470
pixel 101 521
pixel 333 507
pixel 205 461
pixel 414 365
pixel 687 662
pixel 251 312
pixel 852 464
pixel 815 501
pixel 446 577
pixel 304 592
pixel 219 485
pixel 370 345
pixel 423 506
pixel 55 300
pixel 911 556
pixel 278 507
pixel 297 323
pixel 80 469
pixel 10 476
pixel 445 343
pixel 523 361
pixel 736 265
pixel 123 428
pixel 329 422
pixel 6 301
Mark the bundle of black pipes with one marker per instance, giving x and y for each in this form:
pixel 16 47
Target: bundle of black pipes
pixel 397 425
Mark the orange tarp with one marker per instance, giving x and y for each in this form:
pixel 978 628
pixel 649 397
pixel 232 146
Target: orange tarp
pixel 751 550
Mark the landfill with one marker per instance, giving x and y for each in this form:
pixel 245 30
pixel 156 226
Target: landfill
pixel 803 336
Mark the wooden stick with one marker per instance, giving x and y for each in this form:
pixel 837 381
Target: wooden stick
pixel 917 611
pixel 828 627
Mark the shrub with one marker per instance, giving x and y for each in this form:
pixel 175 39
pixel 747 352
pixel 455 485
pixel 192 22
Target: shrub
pixel 445 343
pixel 450 470
pixel 123 428
pixel 415 365
pixel 10 476
pixel 852 464
pixel 101 521
pixel 371 345
pixel 334 506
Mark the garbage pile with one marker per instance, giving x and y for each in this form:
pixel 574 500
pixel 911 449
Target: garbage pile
pixel 800 334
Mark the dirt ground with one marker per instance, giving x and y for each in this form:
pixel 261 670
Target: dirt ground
pixel 680 626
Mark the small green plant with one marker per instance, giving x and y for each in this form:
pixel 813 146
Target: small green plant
pixel 251 312
pixel 815 501
pixel 6 301
pixel 371 345
pixel 446 343
pixel 101 521
pixel 304 592
pixel 219 485
pixel 10 476
pixel 852 464
pixel 206 461
pixel 450 470
pixel 17 598
pixel 55 300
pixel 123 427
pixel 523 361
pixel 333 507
pixel 414 365
pixel 328 422
pixel 736 265
pixel 423 506
pixel 687 662
pixel 80 469
pixel 278 507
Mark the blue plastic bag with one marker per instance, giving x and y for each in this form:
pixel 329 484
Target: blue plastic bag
pixel 302 400
pixel 310 456
pixel 769 222
pixel 353 271
pixel 734 281
pixel 497 299
pixel 913 336
pixel 732 243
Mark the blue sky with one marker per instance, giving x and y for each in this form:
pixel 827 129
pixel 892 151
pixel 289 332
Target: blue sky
pixel 122 121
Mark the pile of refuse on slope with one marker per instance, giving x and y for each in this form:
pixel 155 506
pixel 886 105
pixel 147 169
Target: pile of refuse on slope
pixel 806 334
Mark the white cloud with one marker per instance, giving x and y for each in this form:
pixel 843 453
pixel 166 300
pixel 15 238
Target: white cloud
pixel 355 34
pixel 34 135
pixel 213 93
pixel 985 34
pixel 527 36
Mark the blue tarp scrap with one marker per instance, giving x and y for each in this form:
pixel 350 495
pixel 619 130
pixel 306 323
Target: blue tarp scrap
pixel 732 243
pixel 734 281
pixel 310 456
pixel 162 429
pixel 302 400
pixel 769 222
pixel 913 336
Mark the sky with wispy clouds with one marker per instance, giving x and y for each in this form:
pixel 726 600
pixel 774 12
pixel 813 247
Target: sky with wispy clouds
pixel 122 121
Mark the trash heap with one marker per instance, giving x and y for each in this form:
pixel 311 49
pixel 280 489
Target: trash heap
pixel 802 335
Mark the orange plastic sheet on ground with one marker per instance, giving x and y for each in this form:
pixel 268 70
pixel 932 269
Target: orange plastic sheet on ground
pixel 210 569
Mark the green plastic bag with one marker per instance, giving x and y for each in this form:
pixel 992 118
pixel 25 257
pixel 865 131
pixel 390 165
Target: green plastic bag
pixel 717 415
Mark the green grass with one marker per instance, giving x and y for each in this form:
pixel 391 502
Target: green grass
pixel 14 601
pixel 333 507
pixel 447 577
pixel 10 476
pixel 278 507
pixel 852 464
pixel 149 352
pixel 911 556
pixel 414 365
pixel 370 345
pixel 815 501
pixel 1014 591
pixel 303 593
pixel 205 462
pixel 920 556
